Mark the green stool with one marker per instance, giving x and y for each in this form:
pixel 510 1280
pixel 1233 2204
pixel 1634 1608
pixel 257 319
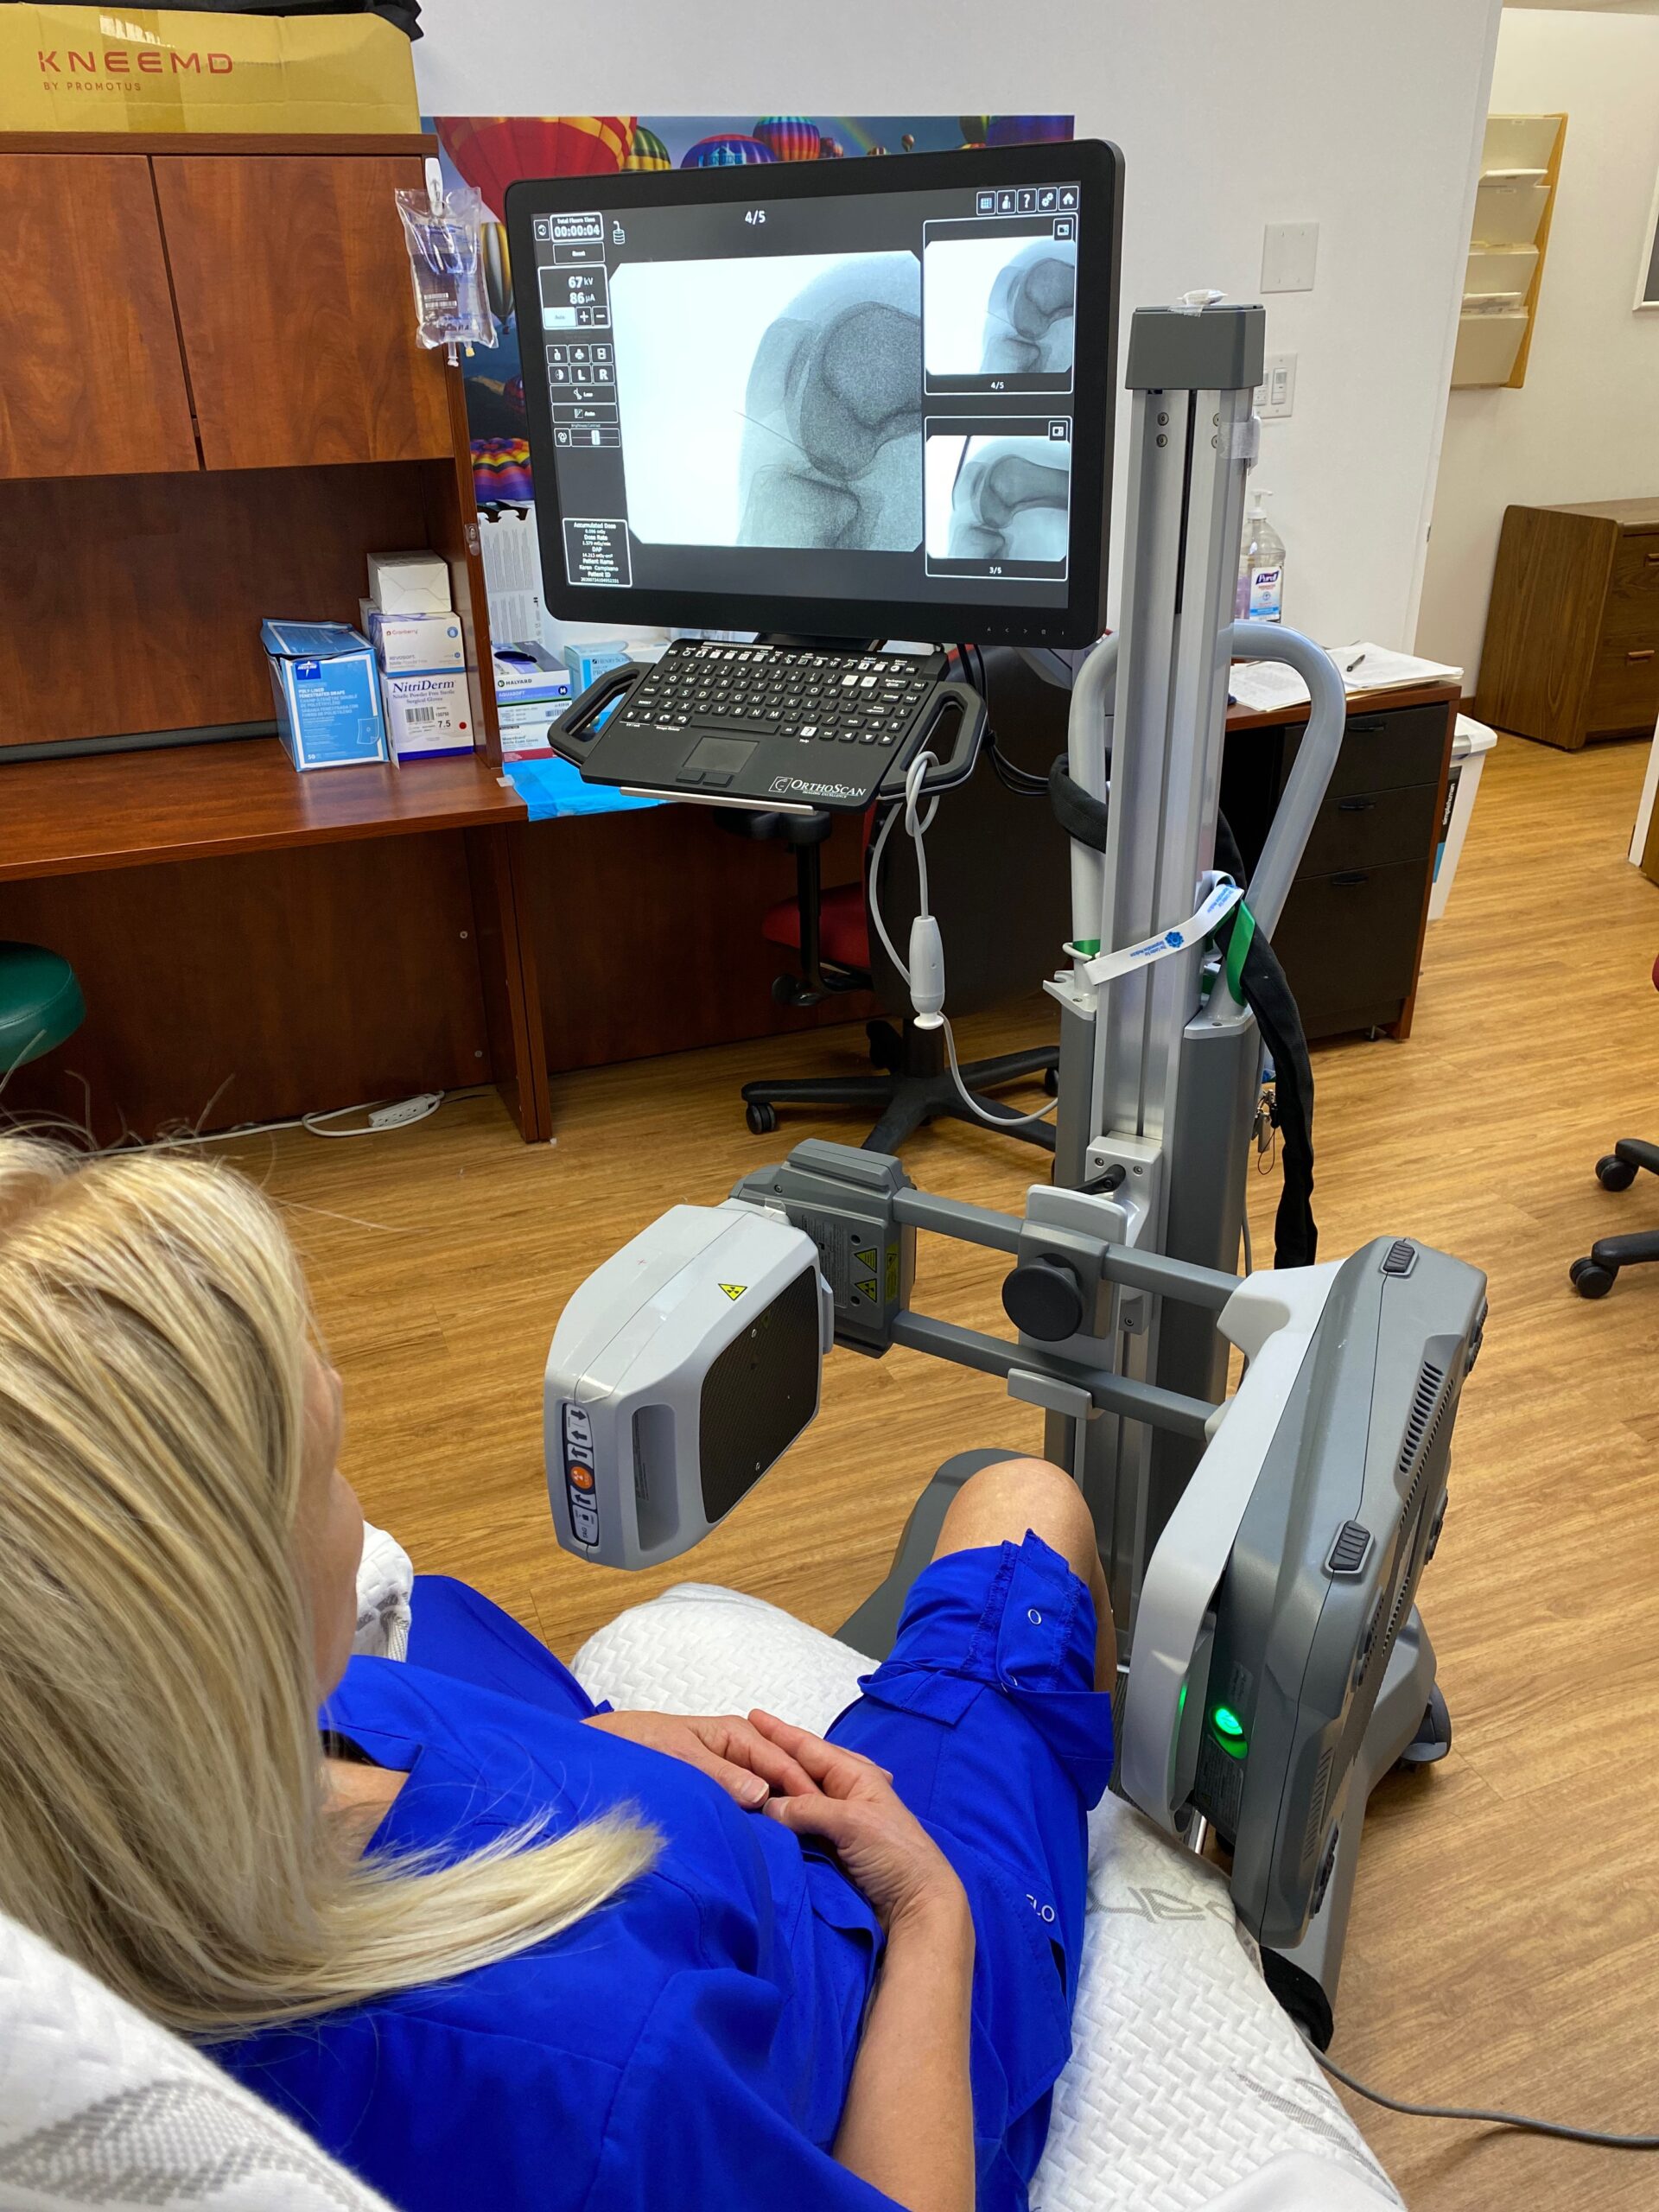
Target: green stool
pixel 40 1003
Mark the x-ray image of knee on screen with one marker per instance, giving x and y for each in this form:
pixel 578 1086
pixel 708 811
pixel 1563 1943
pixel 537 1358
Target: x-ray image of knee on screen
pixel 992 499
pixel 1000 306
pixel 801 427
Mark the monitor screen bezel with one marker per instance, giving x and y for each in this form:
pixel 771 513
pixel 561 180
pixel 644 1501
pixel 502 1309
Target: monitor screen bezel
pixel 1093 164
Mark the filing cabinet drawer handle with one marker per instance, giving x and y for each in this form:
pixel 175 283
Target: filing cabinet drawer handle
pixel 1355 805
pixel 1353 877
pixel 1652 560
pixel 1640 652
pixel 1365 728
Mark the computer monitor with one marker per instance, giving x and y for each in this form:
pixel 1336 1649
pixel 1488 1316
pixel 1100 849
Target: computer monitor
pixel 837 399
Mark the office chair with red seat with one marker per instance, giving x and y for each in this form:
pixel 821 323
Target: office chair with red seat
pixel 999 884
pixel 1617 1170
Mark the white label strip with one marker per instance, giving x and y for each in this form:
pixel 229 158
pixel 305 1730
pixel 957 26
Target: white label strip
pixel 1215 908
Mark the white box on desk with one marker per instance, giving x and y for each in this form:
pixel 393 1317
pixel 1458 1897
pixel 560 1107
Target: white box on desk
pixel 413 644
pixel 428 715
pixel 409 583
pixel 525 727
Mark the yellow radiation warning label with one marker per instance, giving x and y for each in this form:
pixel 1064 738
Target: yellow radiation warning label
pixel 866 1260
pixel 734 1289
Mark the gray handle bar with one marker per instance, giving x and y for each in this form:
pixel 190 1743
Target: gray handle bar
pixel 1293 823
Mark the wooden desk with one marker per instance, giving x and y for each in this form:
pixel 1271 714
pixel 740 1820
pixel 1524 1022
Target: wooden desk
pixel 255 943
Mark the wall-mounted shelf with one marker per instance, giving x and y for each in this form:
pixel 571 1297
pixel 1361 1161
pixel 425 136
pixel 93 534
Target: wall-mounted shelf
pixel 1519 166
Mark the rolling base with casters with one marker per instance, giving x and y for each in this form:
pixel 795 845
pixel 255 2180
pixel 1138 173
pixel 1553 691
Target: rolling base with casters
pixel 1593 1276
pixel 915 1087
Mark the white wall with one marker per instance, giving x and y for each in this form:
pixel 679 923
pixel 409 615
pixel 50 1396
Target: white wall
pixel 1362 116
pixel 1585 423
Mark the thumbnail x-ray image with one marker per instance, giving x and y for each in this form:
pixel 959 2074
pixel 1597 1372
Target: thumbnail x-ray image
pixel 801 427
pixel 997 499
pixel 1001 306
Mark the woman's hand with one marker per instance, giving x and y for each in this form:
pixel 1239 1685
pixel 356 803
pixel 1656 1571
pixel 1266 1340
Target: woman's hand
pixel 748 1764
pixel 888 1854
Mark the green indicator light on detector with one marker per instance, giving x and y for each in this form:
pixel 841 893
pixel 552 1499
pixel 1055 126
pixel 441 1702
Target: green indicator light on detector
pixel 1228 1724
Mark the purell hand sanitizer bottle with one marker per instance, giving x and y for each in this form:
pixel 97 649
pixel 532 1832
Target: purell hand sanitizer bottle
pixel 1260 568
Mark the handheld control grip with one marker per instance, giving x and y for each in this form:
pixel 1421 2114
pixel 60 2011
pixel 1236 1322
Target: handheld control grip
pixel 574 736
pixel 955 713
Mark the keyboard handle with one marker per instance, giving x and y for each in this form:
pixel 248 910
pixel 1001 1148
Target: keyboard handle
pixel 581 726
pixel 950 703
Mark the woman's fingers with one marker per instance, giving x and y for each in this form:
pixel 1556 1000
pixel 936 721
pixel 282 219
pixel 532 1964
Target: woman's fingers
pixel 730 1737
pixel 830 1765
pixel 833 1818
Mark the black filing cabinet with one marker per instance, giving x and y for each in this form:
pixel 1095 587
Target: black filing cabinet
pixel 1350 936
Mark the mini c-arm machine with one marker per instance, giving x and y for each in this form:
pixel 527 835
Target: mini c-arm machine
pixel 1263 1548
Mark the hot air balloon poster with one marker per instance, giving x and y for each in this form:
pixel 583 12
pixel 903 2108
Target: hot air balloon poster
pixel 491 152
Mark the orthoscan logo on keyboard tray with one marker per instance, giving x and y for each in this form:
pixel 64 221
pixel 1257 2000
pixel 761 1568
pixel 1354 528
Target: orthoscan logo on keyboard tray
pixel 782 784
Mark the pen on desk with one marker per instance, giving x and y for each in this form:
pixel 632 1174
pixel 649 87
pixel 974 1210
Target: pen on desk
pixel 1349 666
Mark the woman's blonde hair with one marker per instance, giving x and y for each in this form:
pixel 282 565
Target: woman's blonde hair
pixel 161 1788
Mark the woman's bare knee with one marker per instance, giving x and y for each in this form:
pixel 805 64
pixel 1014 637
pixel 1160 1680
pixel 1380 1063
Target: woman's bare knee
pixel 1001 1503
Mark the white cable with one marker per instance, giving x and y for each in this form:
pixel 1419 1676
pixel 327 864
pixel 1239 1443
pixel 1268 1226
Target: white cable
pixel 917 826
pixel 178 1139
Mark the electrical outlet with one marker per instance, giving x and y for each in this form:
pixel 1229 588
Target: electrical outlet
pixel 1290 253
pixel 1275 396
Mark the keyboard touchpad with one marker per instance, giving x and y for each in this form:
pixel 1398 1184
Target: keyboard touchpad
pixel 718 753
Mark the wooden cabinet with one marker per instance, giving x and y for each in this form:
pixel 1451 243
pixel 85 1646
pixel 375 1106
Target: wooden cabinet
pixel 265 293
pixel 294 299
pixel 212 405
pixel 1571 648
pixel 91 377
pixel 1351 937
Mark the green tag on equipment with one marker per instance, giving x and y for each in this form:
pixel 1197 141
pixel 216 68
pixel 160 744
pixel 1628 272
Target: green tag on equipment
pixel 1238 951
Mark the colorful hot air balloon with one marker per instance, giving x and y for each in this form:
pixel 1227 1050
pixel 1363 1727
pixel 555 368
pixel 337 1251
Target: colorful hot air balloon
pixel 908 142
pixel 647 151
pixel 501 473
pixel 789 137
pixel 875 149
pixel 498 270
pixel 493 151
pixel 973 128
pixel 726 152
pixel 831 151
pixel 1027 130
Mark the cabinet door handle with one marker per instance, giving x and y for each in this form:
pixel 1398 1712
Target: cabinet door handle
pixel 1640 652
pixel 1355 805
pixel 1652 560
pixel 1353 877
pixel 1368 729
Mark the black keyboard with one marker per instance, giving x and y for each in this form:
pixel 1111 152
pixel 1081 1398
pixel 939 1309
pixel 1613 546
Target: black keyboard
pixel 767 724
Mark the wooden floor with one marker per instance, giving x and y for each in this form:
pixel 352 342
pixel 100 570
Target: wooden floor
pixel 1504 1946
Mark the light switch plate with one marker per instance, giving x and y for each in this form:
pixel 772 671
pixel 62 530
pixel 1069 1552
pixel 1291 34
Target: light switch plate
pixel 1290 253
pixel 1275 396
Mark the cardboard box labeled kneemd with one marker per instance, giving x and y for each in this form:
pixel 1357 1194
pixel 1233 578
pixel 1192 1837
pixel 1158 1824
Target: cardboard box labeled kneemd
pixel 152 69
pixel 327 692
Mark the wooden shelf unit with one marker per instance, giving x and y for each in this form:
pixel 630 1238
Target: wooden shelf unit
pixel 1513 214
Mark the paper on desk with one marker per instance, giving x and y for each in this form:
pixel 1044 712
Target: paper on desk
pixel 1265 686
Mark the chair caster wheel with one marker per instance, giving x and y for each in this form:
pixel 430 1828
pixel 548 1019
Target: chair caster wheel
pixel 1614 1174
pixel 1590 1279
pixel 1052 1082
pixel 761 1118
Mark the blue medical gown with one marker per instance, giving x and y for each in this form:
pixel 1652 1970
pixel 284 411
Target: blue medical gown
pixel 690 2043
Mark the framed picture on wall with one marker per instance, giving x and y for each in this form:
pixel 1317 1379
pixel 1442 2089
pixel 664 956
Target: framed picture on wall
pixel 1647 282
